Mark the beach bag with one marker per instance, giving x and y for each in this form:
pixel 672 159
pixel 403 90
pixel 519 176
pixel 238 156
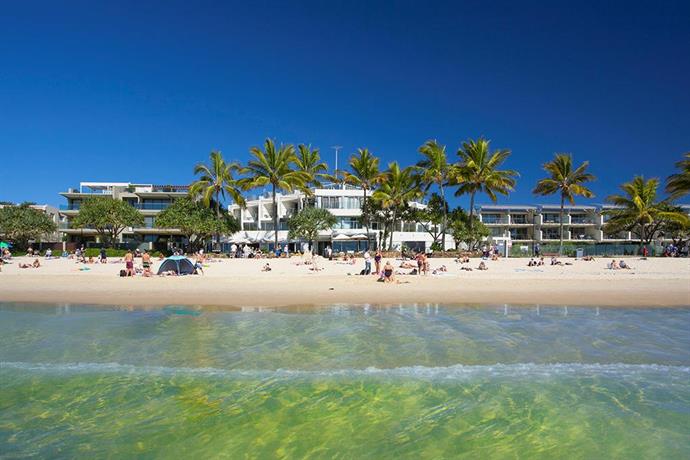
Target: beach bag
pixel 123 273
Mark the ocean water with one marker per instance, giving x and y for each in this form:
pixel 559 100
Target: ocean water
pixel 410 381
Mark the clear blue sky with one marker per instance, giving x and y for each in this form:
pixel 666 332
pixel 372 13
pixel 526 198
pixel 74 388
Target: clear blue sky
pixel 141 91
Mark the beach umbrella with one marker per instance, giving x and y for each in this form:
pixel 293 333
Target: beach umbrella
pixel 359 236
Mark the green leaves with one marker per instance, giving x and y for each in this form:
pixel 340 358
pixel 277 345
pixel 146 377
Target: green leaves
pixel 478 170
pixel 307 223
pixel 107 216
pixel 216 180
pixel 638 210
pixel 23 223
pixel 564 179
pixel 195 221
pixel 678 185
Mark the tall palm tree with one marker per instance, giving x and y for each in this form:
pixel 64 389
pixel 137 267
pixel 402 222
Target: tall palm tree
pixel 215 182
pixel 275 167
pixel 678 184
pixel 639 209
pixel 398 187
pixel 434 169
pixel 566 181
pixel 309 161
pixel 478 171
pixel 365 174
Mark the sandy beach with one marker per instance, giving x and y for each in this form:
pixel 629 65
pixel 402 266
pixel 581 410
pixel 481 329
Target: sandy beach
pixel 237 283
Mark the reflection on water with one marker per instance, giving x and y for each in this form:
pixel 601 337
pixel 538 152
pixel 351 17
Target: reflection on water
pixel 359 382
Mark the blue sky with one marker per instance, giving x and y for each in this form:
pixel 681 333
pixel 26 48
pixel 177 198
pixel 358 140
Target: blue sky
pixel 141 91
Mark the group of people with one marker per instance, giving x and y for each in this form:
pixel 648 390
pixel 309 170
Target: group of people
pixel 622 265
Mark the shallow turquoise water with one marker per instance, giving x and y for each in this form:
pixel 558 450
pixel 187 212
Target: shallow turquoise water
pixel 345 382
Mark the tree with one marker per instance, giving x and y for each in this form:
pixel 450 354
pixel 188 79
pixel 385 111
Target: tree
pixel 215 182
pixel 308 160
pixel 637 210
pixel 432 218
pixel 196 221
pixel 108 216
pixel 365 174
pixel 307 224
pixel 678 184
pixel 463 232
pixel 23 223
pixel 435 170
pixel 398 188
pixel 478 171
pixel 275 167
pixel 566 181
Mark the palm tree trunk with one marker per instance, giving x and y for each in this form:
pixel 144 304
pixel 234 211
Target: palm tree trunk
pixel 217 217
pixel 390 245
pixel 471 210
pixel 445 216
pixel 366 219
pixel 560 220
pixel 275 217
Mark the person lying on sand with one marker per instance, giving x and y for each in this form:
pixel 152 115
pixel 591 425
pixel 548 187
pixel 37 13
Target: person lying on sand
pixel 35 264
pixel 482 266
pixel 405 264
pixel 169 273
pixel 555 261
pixel 266 268
pixel 588 259
pixel 467 269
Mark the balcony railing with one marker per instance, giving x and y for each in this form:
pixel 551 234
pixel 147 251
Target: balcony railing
pixel 581 220
pixel 151 206
pixel 69 207
pixel 494 220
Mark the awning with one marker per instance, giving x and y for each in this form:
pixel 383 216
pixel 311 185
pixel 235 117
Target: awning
pixel 340 237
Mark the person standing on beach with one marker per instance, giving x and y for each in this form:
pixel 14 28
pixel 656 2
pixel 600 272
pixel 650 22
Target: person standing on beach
pixel 146 263
pixel 377 261
pixel 129 263
pixel 537 250
pixel 367 263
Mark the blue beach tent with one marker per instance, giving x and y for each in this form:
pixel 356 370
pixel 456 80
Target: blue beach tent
pixel 179 264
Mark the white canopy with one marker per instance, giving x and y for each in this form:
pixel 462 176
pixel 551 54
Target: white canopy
pixel 359 236
pixel 340 237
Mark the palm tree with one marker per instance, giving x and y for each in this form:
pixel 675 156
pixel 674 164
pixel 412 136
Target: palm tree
pixel 638 208
pixel 309 161
pixel 365 174
pixel 678 184
pixel 434 169
pixel 398 187
pixel 275 167
pixel 215 182
pixel 566 181
pixel 477 172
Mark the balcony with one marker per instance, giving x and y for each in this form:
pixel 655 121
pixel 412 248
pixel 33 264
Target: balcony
pixel 495 220
pixel 581 220
pixel 70 207
pixel 151 206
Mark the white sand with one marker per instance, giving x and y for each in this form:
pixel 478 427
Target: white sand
pixel 240 283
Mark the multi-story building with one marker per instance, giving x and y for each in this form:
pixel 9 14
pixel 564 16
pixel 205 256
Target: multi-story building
pixel 149 199
pixel 541 223
pixel 343 201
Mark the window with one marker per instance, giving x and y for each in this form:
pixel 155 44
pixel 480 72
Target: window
pixel 496 231
pixel 149 222
pixel 493 219
pixel 348 223
pixel 518 218
pixel 519 234
pixel 551 218
pixel 352 202
pixel 330 202
pixel 552 234
pixel 154 204
pixel 409 227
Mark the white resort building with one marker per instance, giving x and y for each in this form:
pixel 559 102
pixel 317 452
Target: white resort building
pixel 343 201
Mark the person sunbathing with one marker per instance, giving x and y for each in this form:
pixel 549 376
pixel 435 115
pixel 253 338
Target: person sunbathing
pixel 555 261
pixel 624 266
pixel 407 265
pixel 482 266
pixel 614 265
pixel 467 269
pixel 439 270
pixel 266 268
pixel 588 259
pixel 494 256
pixel 532 263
